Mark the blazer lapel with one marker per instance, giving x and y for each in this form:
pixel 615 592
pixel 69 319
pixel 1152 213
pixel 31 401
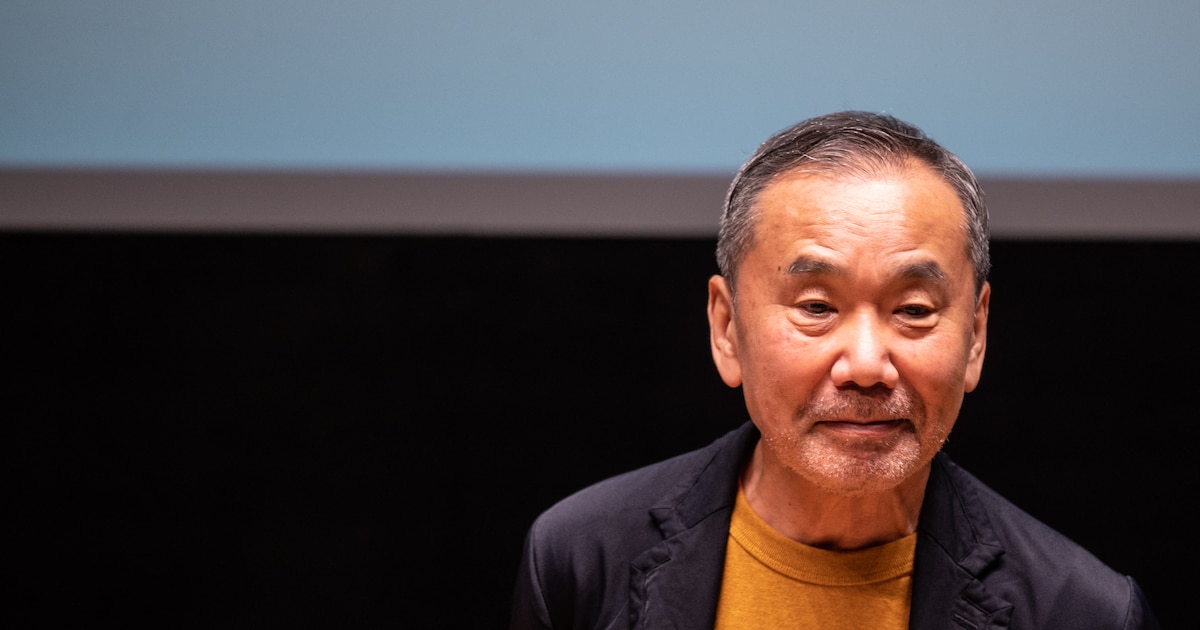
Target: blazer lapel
pixel 955 545
pixel 947 595
pixel 675 584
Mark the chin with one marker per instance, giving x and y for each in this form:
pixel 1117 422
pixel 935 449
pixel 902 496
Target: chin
pixel 838 470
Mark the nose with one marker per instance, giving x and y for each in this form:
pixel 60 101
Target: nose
pixel 864 353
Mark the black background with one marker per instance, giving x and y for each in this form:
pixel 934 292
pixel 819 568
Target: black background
pixel 355 431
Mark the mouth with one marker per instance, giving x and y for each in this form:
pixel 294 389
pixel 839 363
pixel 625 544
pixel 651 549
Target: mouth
pixel 865 428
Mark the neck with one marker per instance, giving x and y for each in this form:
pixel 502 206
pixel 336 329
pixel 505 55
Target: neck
pixel 807 513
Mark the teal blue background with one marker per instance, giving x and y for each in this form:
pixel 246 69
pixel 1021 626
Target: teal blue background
pixel 1063 88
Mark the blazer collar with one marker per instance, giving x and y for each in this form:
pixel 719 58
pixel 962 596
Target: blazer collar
pixel 956 545
pixel 676 583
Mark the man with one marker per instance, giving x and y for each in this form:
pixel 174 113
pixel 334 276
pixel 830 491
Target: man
pixel 852 311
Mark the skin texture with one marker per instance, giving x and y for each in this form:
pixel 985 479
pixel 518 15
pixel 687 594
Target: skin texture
pixel 855 334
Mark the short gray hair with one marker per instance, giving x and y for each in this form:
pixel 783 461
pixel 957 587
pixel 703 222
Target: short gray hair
pixel 847 142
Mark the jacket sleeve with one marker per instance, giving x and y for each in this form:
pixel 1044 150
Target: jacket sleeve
pixel 529 611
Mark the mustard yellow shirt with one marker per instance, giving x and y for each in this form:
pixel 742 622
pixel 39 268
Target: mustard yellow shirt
pixel 773 582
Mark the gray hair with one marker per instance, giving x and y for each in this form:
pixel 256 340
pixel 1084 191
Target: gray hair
pixel 847 142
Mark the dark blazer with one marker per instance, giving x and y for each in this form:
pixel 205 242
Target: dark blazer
pixel 646 550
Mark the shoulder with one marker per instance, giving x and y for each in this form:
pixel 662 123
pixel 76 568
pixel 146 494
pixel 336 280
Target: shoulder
pixel 578 553
pixel 1025 540
pixel 621 505
pixel 1045 574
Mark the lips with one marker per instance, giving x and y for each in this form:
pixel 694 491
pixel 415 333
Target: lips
pixel 864 427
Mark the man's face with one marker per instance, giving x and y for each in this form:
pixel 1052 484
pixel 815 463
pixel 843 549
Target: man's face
pixel 856 329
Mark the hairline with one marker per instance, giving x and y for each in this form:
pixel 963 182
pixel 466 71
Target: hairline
pixel 903 148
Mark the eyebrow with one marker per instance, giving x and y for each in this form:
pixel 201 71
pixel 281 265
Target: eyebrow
pixel 925 270
pixel 805 264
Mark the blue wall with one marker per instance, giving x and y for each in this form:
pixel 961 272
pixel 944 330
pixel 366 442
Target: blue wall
pixel 1105 88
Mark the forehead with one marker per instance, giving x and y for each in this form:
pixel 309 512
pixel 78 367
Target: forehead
pixel 906 213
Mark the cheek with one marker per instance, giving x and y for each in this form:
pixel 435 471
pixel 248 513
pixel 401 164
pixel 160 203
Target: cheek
pixel 779 348
pixel 936 371
pixel 782 367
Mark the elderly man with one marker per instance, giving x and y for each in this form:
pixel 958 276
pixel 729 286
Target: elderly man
pixel 852 310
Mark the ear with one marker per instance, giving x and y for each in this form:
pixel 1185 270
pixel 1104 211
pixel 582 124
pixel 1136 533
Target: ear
pixel 722 332
pixel 978 338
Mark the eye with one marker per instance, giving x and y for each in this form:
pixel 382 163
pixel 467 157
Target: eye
pixel 816 308
pixel 915 310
